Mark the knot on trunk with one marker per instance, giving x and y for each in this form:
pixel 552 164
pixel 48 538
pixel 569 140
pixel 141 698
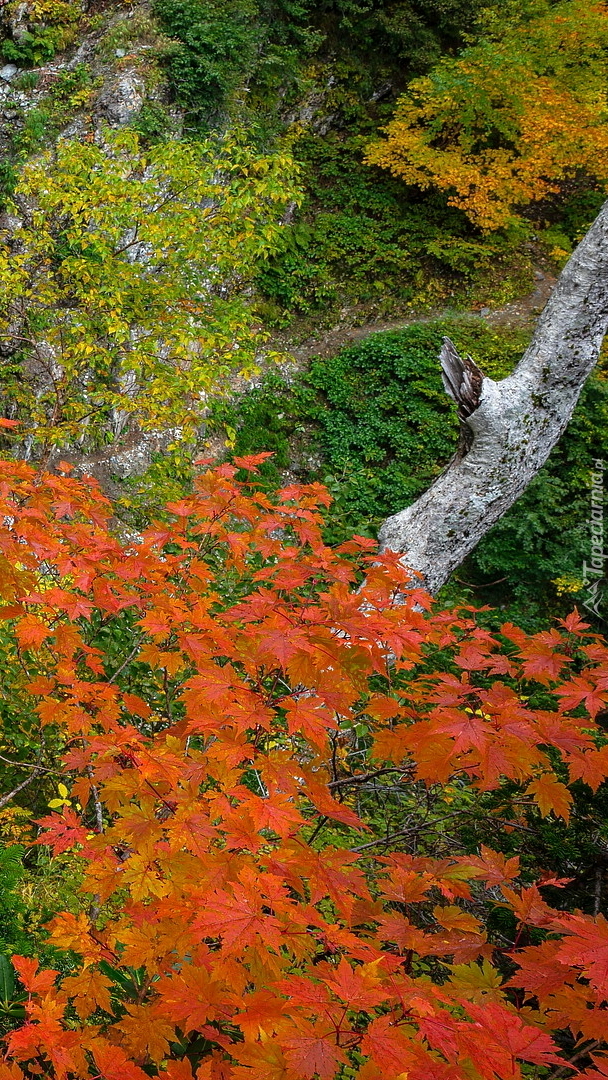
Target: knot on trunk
pixel 462 381
pixel 461 378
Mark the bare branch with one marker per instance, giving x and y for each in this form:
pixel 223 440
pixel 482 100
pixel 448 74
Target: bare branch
pixel 4 799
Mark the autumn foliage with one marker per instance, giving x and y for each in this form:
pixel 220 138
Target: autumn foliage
pixel 242 916
pixel 512 118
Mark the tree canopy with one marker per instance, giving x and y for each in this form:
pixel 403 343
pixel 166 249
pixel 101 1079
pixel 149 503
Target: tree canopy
pixel 512 117
pixel 124 280
pixel 249 915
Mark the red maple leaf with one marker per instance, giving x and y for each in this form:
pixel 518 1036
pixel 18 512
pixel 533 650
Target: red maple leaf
pixel 313 1051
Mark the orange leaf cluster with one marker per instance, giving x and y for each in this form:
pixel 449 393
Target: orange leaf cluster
pixel 230 936
pixel 509 120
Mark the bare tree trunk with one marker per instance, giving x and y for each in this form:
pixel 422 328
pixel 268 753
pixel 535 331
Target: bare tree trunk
pixel 508 428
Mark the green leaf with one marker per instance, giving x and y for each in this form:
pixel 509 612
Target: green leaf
pixel 7 980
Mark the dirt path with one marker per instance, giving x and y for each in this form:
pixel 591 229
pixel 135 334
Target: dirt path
pixel 132 455
pixel 520 312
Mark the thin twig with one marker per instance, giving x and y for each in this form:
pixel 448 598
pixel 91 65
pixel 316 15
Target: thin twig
pixel 320 825
pixel 96 801
pixel 28 780
pixel 362 778
pixel 570 1067
pixel 402 834
pixel 484 585
pixel 597 892
pixel 26 765
pixel 133 652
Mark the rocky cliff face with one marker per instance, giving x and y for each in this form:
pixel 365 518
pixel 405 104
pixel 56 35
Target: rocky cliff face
pixel 96 68
pixel 75 73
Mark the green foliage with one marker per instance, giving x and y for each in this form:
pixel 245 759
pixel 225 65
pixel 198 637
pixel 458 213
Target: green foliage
pixel 70 84
pixel 411 33
pixel 41 124
pixel 50 26
pixel 575 211
pixel 25 80
pixel 12 1009
pixel 34 131
pixel 576 850
pixel 19 728
pixel 363 237
pixel 143 498
pixel 29 897
pixel 33 48
pixel 261 47
pixel 216 53
pixel 8 181
pixel 12 908
pixel 373 422
pixel 134 28
pixel 153 123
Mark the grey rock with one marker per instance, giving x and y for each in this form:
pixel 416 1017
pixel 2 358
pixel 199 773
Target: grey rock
pixel 122 99
pixel 8 71
pixel 18 22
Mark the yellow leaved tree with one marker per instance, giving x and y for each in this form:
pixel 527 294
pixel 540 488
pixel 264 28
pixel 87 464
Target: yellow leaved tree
pixel 125 277
pixel 511 118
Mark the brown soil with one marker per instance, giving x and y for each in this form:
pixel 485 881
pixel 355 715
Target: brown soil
pixel 522 312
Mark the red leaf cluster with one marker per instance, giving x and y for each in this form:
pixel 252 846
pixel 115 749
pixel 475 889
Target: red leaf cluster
pixel 273 946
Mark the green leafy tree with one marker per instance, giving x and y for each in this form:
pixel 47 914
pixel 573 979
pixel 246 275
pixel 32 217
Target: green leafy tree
pixel 216 47
pixel 125 281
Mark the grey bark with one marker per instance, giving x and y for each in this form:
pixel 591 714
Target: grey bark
pixel 508 428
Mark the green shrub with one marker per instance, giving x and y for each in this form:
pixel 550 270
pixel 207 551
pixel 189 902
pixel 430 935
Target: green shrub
pixel 69 92
pixel 34 48
pixel 8 181
pixel 153 123
pixel 34 132
pixel 218 40
pixel 13 937
pixel 374 422
pixel 25 80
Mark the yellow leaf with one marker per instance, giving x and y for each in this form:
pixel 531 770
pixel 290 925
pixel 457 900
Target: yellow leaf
pixel 477 982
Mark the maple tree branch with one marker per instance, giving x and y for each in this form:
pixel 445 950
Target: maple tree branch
pixel 96 801
pixel 362 778
pixel 317 829
pixel 4 799
pixel 130 657
pixel 167 695
pixel 28 765
pixel 563 1070
pixel 430 824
